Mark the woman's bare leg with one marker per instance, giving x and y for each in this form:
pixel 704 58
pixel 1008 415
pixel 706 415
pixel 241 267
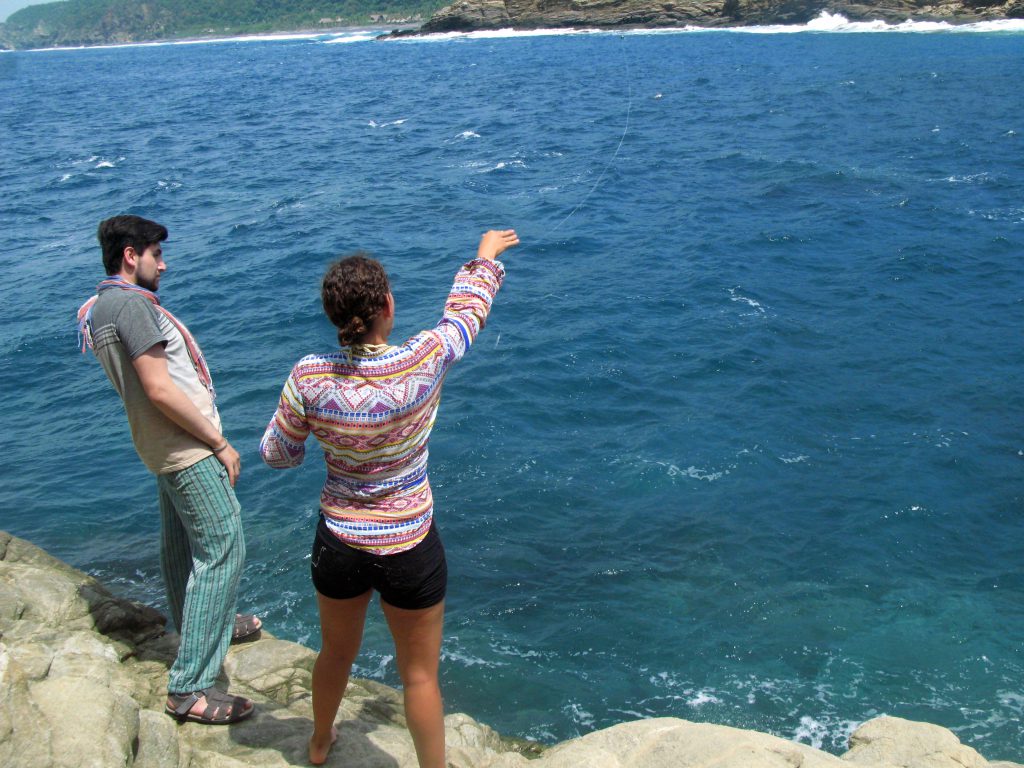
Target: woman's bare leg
pixel 417 637
pixel 341 632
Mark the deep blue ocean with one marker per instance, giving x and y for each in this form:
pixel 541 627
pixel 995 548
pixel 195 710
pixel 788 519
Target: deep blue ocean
pixel 743 441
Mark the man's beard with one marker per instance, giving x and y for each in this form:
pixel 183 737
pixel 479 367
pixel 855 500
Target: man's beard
pixel 149 285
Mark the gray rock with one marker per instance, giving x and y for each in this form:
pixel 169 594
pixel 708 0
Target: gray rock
pixel 90 723
pixel 158 741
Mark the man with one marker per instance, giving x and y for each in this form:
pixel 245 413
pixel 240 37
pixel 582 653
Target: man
pixel 159 371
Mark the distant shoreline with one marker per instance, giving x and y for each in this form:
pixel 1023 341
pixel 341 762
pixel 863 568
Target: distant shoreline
pixel 838 23
pixel 283 34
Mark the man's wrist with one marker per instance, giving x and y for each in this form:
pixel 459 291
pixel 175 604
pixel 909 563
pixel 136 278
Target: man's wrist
pixel 220 447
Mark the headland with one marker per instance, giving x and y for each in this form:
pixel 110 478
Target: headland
pixel 476 15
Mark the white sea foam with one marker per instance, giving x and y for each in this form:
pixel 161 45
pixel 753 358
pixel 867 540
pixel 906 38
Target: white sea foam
pixel 632 714
pixel 696 473
pixel 673 471
pixel 837 23
pixel 312 36
pixel 357 37
pixel 387 124
pixel 383 661
pixel 810 731
pixel 496 34
pixel 351 35
pixel 579 715
pixel 746 300
pixel 467 660
pixel 268 38
pixel 793 459
pixel 1012 701
pixel 702 697
pixel 970 178
pixel 501 165
pixel 681 690
pixel 508 650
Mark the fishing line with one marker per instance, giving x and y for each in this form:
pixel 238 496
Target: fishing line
pixel 618 147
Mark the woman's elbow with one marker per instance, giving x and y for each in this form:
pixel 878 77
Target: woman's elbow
pixel 277 455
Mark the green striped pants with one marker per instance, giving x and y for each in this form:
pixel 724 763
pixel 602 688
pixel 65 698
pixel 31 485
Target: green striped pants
pixel 202 551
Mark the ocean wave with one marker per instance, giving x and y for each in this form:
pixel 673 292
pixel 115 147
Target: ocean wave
pixel 497 34
pixel 355 37
pixel 823 733
pixel 756 305
pixel 579 715
pixel 673 471
pixel 835 22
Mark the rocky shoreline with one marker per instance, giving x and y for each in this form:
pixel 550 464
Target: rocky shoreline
pixel 82 676
pixel 478 15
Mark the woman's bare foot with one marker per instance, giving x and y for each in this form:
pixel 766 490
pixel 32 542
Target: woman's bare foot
pixel 319 749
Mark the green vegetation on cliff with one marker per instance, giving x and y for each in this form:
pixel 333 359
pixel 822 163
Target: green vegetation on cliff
pixel 92 22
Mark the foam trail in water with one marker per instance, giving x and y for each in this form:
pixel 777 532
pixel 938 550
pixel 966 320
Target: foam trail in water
pixel 361 36
pixel 348 36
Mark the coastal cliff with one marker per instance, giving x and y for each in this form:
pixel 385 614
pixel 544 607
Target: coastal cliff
pixel 470 15
pixel 82 677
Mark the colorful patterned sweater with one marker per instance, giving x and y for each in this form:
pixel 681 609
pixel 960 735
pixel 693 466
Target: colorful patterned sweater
pixel 372 411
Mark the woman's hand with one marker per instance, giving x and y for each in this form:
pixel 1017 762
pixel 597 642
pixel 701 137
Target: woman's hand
pixel 495 242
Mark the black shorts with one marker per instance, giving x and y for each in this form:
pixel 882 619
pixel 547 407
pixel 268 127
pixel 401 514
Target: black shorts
pixel 416 578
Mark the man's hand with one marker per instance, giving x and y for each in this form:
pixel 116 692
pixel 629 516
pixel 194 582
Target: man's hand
pixel 495 242
pixel 232 462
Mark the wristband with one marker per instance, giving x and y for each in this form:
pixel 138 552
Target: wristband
pixel 218 450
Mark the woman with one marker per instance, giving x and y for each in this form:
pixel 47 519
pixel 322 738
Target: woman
pixel 371 406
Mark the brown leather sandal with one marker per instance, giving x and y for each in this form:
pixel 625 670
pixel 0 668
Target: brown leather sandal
pixel 221 708
pixel 247 627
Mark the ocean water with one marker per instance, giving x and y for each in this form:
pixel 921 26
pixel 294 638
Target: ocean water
pixel 743 439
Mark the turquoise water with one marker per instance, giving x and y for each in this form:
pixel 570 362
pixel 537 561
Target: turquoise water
pixel 742 442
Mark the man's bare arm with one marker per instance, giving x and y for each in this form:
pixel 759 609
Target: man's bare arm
pixel 151 366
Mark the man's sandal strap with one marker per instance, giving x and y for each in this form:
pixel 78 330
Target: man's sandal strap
pixel 187 703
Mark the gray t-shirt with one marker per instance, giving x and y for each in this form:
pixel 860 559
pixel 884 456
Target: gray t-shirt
pixel 124 325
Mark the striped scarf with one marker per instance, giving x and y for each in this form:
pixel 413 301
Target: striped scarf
pixel 194 353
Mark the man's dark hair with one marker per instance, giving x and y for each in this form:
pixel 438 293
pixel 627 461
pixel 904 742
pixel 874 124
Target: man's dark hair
pixel 119 232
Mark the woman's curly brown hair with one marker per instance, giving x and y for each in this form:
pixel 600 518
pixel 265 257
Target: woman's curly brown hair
pixel 354 290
